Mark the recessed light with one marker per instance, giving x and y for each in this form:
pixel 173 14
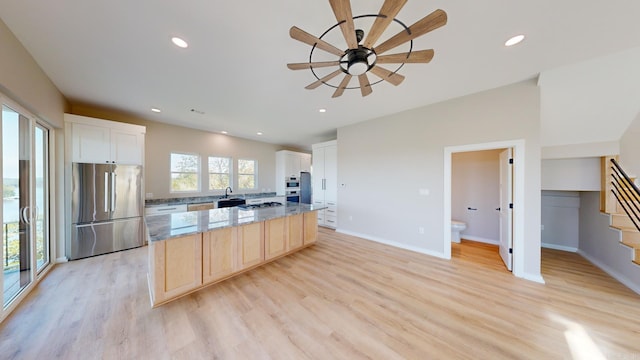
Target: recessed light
pixel 179 42
pixel 322 110
pixel 514 40
pixel 156 110
pixel 259 133
pixel 223 132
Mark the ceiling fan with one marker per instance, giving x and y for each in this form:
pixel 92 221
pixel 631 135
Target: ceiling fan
pixel 363 57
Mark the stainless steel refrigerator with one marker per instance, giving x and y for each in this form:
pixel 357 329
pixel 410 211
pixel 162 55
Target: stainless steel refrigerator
pixel 106 209
pixel 305 187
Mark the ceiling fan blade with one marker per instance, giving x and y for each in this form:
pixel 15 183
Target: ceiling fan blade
pixel 387 75
pixel 428 23
pixel 315 84
pixel 305 37
pixel 422 56
pixel 343 85
pixel 365 87
pixel 303 66
pixel 389 10
pixel 342 11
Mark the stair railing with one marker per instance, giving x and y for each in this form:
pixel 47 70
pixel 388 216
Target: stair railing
pixel 626 192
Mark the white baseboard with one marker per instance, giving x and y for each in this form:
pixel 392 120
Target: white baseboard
pixel 480 239
pixel 533 277
pixel 62 259
pixel 559 247
pixel 614 274
pixel 393 243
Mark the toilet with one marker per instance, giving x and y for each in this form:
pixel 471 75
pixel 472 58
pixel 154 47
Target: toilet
pixel 456 228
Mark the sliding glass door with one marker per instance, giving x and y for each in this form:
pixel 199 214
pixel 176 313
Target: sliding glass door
pixel 25 211
pixel 41 188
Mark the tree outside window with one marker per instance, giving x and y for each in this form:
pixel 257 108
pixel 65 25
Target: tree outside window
pixel 247 174
pixel 184 172
pixel 219 173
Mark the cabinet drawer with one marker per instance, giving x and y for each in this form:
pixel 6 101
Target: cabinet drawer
pixel 331 211
pixel 331 221
pixel 168 209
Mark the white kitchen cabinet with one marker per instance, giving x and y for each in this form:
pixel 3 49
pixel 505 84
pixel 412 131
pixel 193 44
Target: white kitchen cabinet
pixel 324 180
pixel 290 164
pixel 103 141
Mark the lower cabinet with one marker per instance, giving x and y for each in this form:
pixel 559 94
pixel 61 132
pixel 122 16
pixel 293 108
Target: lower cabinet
pixel 310 227
pixel 178 267
pixel 275 237
pixel 218 254
pixel 296 231
pixel 250 245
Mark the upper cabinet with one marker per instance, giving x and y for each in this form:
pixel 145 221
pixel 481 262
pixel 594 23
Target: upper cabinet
pixel 291 163
pixel 103 141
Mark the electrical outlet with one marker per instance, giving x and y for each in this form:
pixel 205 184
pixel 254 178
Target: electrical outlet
pixel 542 227
pixel 149 195
pixel 350 218
pixel 421 230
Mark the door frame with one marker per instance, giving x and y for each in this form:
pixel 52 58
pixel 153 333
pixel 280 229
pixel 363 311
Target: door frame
pixel 518 147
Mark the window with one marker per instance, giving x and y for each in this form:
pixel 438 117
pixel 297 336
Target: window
pixel 184 172
pixel 219 173
pixel 247 174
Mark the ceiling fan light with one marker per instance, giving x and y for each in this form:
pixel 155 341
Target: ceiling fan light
pixel 358 68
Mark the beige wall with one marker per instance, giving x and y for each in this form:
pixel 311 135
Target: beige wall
pixel 22 79
pixel 630 149
pixel 383 164
pixel 162 139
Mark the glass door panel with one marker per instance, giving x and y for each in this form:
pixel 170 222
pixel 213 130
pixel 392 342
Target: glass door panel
pixel 41 211
pixel 16 215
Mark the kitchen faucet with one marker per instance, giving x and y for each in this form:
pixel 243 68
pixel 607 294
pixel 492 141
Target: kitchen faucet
pixel 225 191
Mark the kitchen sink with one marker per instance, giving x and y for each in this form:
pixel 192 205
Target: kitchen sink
pixel 222 203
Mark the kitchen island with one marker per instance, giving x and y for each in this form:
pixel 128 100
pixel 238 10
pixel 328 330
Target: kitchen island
pixel 191 250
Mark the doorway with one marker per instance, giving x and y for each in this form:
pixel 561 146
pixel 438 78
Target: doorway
pixel 480 198
pixel 516 254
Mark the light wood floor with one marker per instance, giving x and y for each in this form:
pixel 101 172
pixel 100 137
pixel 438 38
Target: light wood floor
pixel 344 298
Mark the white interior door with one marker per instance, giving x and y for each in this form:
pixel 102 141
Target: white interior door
pixel 506 211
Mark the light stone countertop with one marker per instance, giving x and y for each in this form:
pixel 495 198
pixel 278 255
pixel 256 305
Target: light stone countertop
pixel 167 226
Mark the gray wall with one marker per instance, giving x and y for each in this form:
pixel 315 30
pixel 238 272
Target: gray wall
pixel 22 79
pixel 561 220
pixel 601 244
pixel 383 164
pixel 475 183
pixel 575 174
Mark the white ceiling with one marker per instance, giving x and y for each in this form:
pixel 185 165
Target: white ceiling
pixel 118 54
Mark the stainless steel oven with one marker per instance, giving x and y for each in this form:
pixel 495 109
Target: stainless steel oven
pixel 292 182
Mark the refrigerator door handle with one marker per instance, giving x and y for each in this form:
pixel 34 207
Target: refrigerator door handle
pixel 106 191
pixel 113 191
